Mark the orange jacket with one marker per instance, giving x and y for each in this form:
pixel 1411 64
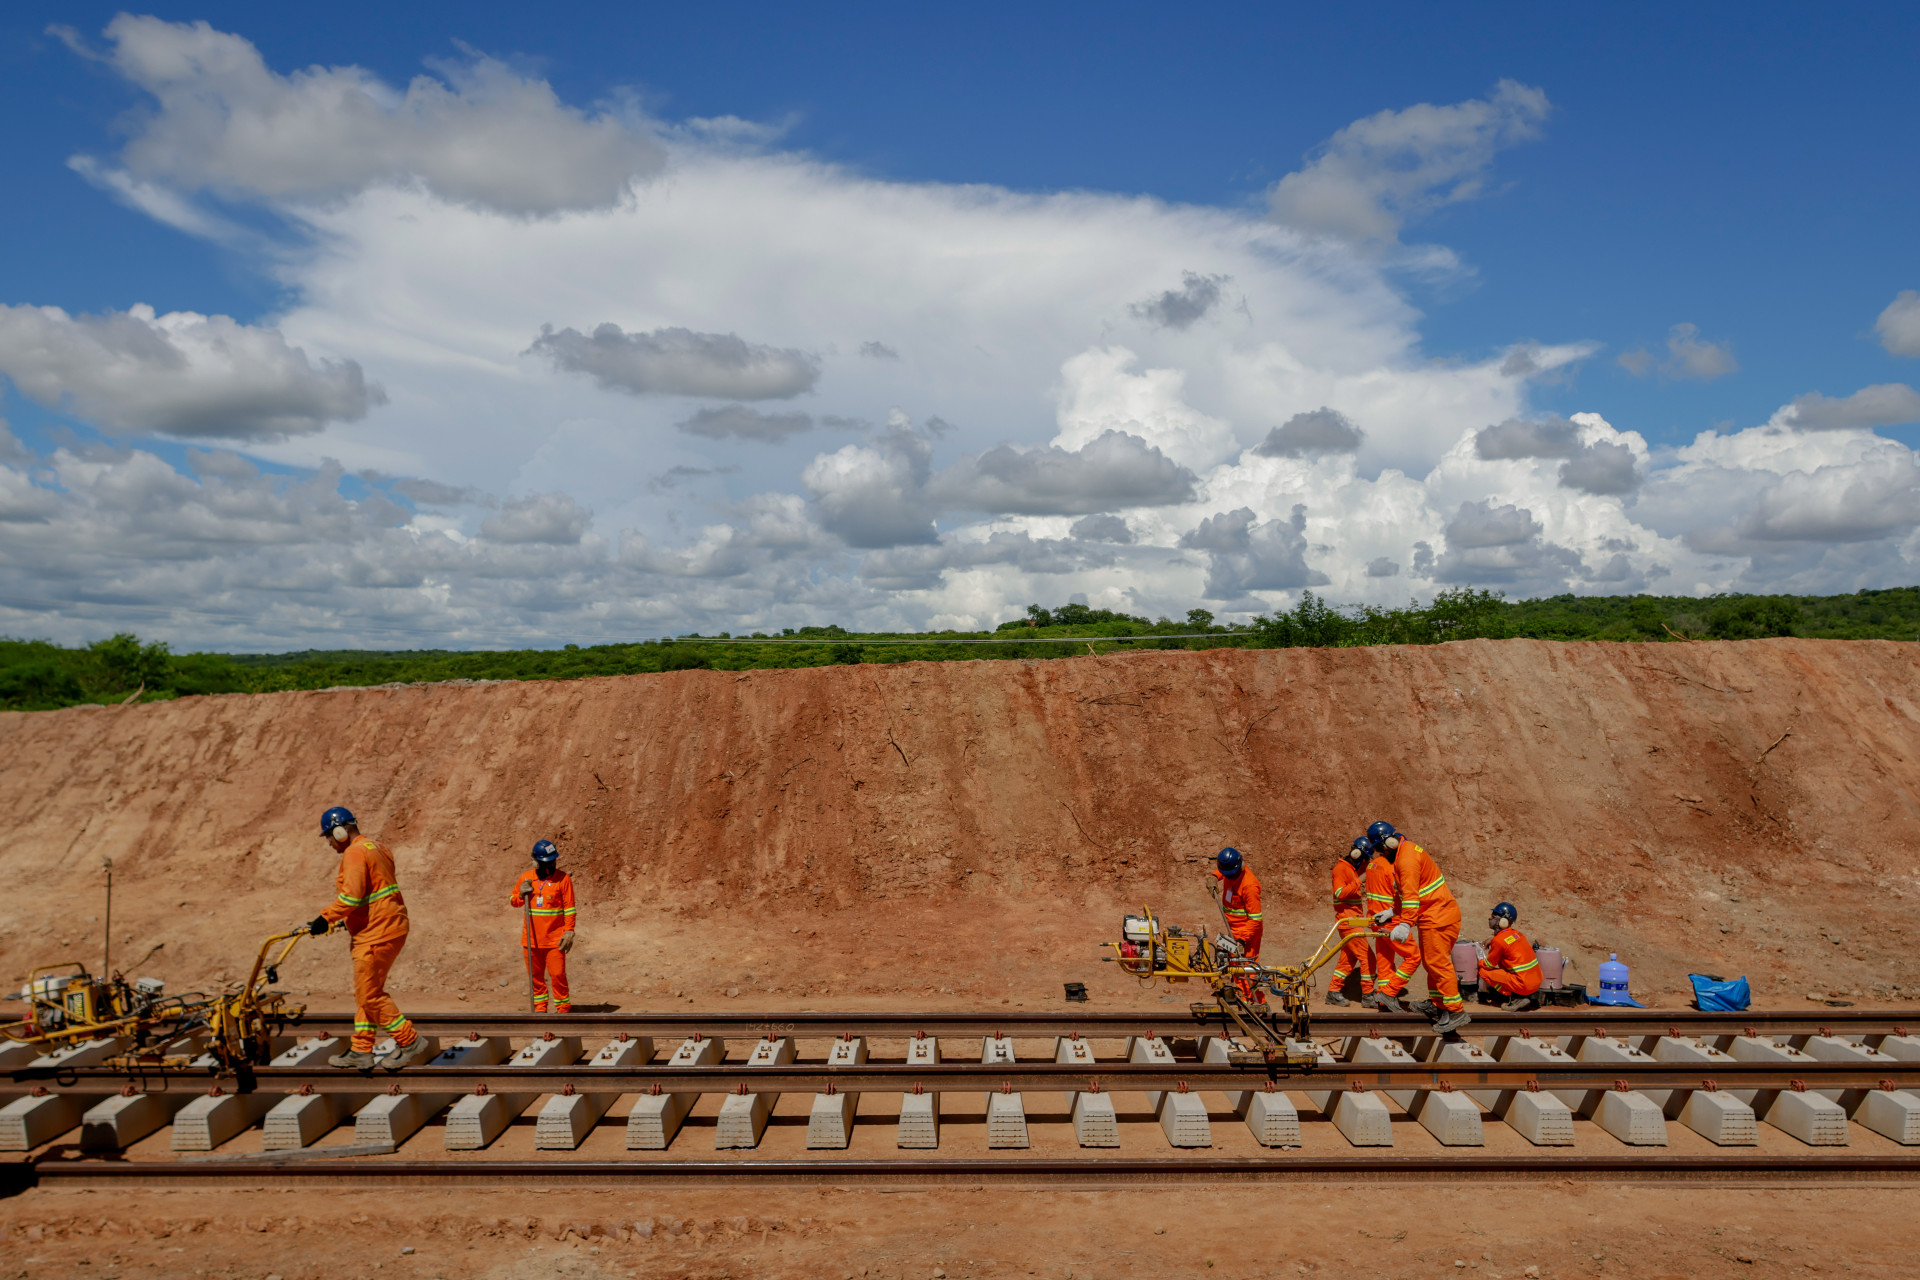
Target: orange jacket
pixel 1380 893
pixel 1425 900
pixel 367 894
pixel 1349 894
pixel 1511 951
pixel 1240 897
pixel 550 912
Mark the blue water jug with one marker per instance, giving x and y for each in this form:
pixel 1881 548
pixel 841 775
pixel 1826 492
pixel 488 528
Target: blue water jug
pixel 1613 984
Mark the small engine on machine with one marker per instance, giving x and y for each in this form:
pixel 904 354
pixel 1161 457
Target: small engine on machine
pixel 1277 1028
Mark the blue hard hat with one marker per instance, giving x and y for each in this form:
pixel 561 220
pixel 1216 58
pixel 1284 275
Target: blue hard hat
pixel 1506 909
pixel 338 816
pixel 1363 844
pixel 545 851
pixel 1377 834
pixel 1229 861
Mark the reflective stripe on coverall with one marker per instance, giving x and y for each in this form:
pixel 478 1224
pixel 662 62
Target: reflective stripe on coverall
pixel 1240 900
pixel 1351 918
pixel 367 900
pixel 1393 962
pixel 1428 905
pixel 1511 968
pixel 550 914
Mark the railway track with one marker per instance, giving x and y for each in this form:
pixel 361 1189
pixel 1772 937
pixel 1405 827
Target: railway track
pixel 1044 1097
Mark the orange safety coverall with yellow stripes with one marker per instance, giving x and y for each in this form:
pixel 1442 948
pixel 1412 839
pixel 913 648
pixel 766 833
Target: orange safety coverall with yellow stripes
pixel 550 913
pixel 368 902
pixel 1350 916
pixel 1240 900
pixel 1428 905
pixel 1393 962
pixel 1511 968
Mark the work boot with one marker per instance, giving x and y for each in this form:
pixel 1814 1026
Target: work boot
pixel 1335 997
pixel 1384 1003
pixel 353 1059
pixel 1520 1004
pixel 1451 1021
pixel 401 1056
pixel 1426 1009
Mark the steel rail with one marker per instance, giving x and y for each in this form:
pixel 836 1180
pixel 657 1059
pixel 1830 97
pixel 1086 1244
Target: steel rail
pixel 395 1171
pixel 1110 1076
pixel 814 1024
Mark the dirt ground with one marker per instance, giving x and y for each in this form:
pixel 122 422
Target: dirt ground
pixel 963 835
pixel 1389 1231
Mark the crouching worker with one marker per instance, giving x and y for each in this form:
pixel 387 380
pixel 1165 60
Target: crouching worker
pixel 1508 966
pixel 368 905
pixel 545 895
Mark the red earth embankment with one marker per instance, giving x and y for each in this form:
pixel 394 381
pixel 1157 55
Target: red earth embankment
pixel 806 835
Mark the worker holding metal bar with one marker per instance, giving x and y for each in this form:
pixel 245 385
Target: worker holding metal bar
pixel 1507 962
pixel 368 904
pixel 1351 917
pixel 1425 903
pixel 545 896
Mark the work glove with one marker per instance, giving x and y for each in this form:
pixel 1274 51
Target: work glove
pixel 1401 932
pixel 1481 947
pixel 319 926
pixel 1381 917
pixel 566 942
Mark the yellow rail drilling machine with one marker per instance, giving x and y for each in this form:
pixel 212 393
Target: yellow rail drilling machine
pixel 67 1005
pixel 1274 1032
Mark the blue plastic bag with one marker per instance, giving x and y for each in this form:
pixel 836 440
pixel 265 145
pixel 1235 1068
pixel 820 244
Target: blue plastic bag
pixel 1718 995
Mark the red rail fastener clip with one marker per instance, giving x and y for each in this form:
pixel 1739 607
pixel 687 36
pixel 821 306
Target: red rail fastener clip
pixel 1006 1086
pixel 654 1089
pixel 1524 1033
pixel 741 1088
pixel 1373 1033
pixel 918 1088
pixel 1711 1086
pixel 623 1037
pixel 480 1090
pixel 1753 1031
pixel 473 1035
pixel 1799 1086
pixel 1887 1086
pixel 1075 1035
pixel 127 1090
pixel 566 1090
pixel 213 1090
pixel 1446 1086
pixel 1093 1086
pixel 831 1089
pixel 1899 1031
pixel 306 1090
pixel 1183 1086
pixel 1272 1087
pixel 393 1090
pixel 547 1036
pixel 1356 1086
pixel 1533 1086
pixel 696 1037
pixel 1600 1031
pixel 1826 1031
pixel 919 1035
pixel 39 1091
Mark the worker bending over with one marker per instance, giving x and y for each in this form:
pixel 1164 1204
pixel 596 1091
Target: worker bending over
pixel 545 894
pixel 368 904
pixel 1507 962
pixel 1351 918
pixel 1393 962
pixel 1425 903
pixel 1239 893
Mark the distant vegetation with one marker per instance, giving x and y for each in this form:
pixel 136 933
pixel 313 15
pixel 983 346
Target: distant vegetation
pixel 36 675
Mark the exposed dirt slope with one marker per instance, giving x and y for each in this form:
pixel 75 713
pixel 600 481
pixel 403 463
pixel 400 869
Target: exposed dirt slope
pixel 1696 806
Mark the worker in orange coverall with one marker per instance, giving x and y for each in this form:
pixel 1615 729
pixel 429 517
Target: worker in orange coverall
pixel 1507 962
pixel 545 895
pixel 368 905
pixel 1352 919
pixel 1425 903
pixel 1239 894
pixel 1393 962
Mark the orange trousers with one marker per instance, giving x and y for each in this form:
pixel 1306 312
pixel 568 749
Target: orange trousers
pixel 1354 954
pixel 548 965
pixel 1393 965
pixel 1509 984
pixel 1250 939
pixel 1436 952
pixel 374 1012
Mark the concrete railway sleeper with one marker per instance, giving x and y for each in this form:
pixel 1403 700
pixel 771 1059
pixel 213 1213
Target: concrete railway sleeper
pixel 1725 1082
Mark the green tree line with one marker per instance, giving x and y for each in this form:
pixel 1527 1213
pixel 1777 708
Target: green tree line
pixel 37 675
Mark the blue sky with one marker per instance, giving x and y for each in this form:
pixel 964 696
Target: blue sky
pixel 1748 171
